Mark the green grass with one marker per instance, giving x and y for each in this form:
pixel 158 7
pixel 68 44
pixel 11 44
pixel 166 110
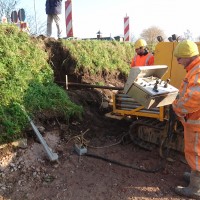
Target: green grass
pixel 96 56
pixel 26 80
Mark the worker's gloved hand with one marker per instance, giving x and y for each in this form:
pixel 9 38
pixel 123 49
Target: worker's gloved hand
pixel 180 115
pixel 182 119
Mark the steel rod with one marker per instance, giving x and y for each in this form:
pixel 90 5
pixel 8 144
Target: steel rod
pixel 122 95
pixel 95 86
pixel 135 106
pixel 145 111
pixel 91 86
pixel 126 99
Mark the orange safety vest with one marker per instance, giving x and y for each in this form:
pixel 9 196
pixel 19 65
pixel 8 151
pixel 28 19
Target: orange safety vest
pixel 144 60
pixel 187 108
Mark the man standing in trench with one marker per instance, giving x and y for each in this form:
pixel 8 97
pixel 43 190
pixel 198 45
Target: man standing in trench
pixel 187 108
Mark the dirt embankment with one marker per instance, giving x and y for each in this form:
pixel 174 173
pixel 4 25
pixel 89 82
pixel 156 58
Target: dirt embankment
pixel 64 64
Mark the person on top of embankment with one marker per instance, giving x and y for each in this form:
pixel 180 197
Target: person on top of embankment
pixel 53 11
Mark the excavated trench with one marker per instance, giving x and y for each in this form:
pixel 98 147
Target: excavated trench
pixel 90 99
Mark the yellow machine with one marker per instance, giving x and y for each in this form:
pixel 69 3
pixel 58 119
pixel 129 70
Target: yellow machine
pixel 156 125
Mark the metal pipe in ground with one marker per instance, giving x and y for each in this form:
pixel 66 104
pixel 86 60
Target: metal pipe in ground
pixel 52 156
pixel 91 86
pixel 143 110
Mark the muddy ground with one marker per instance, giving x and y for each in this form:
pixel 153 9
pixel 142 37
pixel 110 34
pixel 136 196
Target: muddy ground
pixel 112 169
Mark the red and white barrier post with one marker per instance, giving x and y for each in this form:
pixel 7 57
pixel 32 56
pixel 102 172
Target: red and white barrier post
pixel 126 29
pixel 68 17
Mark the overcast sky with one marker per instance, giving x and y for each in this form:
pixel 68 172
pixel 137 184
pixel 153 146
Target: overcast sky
pixel 90 16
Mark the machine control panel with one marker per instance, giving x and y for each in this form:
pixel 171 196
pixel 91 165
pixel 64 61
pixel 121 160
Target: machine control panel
pixel 155 86
pixel 146 86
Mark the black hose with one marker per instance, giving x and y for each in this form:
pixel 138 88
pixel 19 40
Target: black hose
pixel 126 165
pixel 170 132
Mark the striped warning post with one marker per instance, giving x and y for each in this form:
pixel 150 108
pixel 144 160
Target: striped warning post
pixel 68 17
pixel 126 29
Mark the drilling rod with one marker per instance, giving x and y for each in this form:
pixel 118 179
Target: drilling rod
pixel 91 86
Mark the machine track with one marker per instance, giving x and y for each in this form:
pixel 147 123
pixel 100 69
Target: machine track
pixel 148 133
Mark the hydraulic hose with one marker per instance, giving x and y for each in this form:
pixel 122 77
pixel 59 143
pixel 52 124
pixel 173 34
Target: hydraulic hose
pixel 157 169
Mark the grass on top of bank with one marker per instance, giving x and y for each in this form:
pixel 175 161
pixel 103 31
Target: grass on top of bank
pixel 97 56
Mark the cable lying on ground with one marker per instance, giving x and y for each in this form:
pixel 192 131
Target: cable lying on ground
pixel 157 169
pixel 81 145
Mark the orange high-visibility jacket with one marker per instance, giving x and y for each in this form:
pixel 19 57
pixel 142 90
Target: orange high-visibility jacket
pixel 187 108
pixel 144 60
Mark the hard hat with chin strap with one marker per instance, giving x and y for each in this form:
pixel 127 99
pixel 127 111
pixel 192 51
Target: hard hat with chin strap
pixel 186 49
pixel 140 43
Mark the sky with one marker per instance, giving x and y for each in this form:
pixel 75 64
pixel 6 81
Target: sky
pixel 90 16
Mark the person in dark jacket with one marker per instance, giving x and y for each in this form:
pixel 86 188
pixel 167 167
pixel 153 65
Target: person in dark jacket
pixel 53 11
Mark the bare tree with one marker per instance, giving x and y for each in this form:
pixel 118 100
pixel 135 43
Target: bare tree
pixel 133 38
pixel 39 29
pixel 6 8
pixel 151 34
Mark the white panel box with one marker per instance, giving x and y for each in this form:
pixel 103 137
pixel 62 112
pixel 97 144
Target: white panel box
pixel 144 84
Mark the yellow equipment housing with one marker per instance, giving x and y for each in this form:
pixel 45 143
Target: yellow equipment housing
pixel 155 125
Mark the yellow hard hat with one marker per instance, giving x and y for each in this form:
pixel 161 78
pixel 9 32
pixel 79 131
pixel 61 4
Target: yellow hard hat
pixel 140 43
pixel 186 49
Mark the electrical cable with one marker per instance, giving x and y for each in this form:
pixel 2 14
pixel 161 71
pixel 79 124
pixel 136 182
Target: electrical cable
pixel 80 139
pixel 114 144
pixel 157 169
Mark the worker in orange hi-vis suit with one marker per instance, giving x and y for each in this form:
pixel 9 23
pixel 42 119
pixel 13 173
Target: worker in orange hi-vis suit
pixel 187 108
pixel 143 57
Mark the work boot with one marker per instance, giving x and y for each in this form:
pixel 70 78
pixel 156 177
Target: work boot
pixel 186 177
pixel 193 190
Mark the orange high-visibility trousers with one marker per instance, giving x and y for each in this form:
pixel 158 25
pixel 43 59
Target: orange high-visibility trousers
pixel 192 145
pixel 187 108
